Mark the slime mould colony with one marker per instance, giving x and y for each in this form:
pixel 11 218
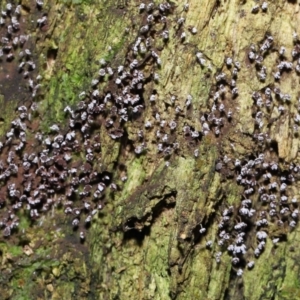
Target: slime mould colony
pixel 36 181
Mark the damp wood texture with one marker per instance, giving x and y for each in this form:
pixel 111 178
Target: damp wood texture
pixel 149 149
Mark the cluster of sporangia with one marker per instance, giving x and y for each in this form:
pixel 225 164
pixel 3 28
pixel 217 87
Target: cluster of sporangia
pixel 14 42
pixel 268 196
pixel 38 181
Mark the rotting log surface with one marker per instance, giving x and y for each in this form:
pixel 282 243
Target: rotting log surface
pixel 146 241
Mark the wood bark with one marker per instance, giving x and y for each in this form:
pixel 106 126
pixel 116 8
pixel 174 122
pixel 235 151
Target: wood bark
pixel 146 241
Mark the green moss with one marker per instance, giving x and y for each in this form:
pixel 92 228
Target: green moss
pixel 233 197
pixel 11 249
pixel 7 114
pixel 115 49
pixel 24 222
pixel 77 53
pixel 78 2
pixel 136 175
